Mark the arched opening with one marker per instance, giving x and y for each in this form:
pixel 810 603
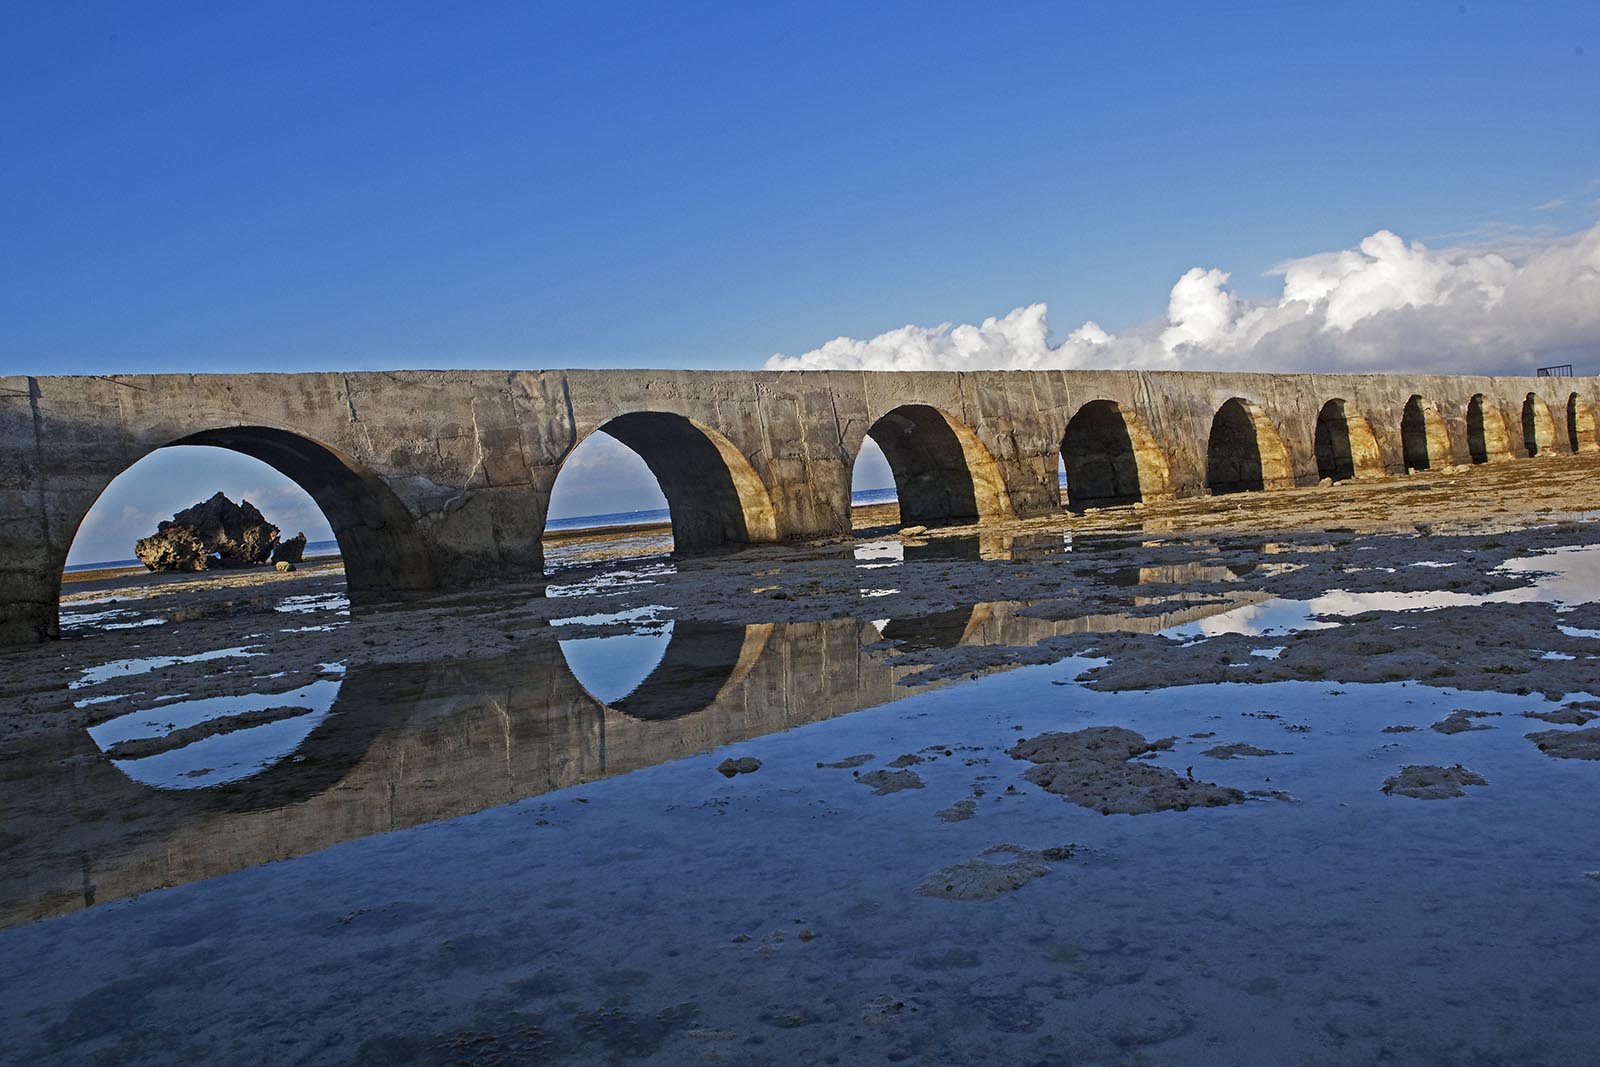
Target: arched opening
pixel 619 477
pixel 1344 443
pixel 298 484
pixel 1110 458
pixel 668 671
pixel 873 501
pixel 1538 428
pixel 943 474
pixel 1423 438
pixel 1581 425
pixel 1487 439
pixel 1245 452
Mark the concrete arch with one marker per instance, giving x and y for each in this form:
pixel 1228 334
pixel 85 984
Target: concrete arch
pixel 1538 428
pixel 379 539
pixel 1487 440
pixel 1244 451
pixel 1112 458
pixel 1581 432
pixel 943 474
pixel 1344 444
pixel 1423 438
pixel 715 495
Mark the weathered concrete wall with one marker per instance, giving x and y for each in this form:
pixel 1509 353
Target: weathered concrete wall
pixel 438 478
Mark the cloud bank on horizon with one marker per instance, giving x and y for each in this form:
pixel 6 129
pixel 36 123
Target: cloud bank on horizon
pixel 1386 305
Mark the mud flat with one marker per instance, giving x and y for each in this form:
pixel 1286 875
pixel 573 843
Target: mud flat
pixel 982 809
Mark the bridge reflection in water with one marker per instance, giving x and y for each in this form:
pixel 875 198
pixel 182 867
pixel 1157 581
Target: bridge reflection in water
pixel 409 744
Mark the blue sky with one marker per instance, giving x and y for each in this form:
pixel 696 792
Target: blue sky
pixel 303 187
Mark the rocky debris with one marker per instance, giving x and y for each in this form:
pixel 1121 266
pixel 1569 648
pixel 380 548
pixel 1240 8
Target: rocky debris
pixel 1239 748
pixel 910 759
pixel 1568 744
pixel 283 566
pixel 1563 716
pixel 291 551
pixel 960 811
pixel 1398 729
pixel 743 765
pixel 1272 794
pixel 215 533
pixel 850 761
pixel 983 879
pixel 886 782
pixel 1093 768
pixel 1425 781
pixel 1460 721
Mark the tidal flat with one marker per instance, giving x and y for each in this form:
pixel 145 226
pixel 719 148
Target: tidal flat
pixel 1299 777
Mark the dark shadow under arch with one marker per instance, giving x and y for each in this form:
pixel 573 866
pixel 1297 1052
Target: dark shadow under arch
pixel 1110 458
pixel 715 496
pixel 942 473
pixel 1423 438
pixel 1538 428
pixel 1244 452
pixel 1486 431
pixel 1581 435
pixel 1344 443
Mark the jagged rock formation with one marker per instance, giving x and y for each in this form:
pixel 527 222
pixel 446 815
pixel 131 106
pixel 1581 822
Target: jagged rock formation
pixel 291 551
pixel 216 533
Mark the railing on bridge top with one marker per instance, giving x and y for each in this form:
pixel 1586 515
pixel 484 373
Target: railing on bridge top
pixel 1560 370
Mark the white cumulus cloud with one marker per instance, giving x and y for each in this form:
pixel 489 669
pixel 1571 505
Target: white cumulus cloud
pixel 1386 305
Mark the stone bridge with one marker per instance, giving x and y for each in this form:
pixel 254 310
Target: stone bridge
pixel 434 479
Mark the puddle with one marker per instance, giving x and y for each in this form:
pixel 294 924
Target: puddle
pixel 314 602
pixel 646 614
pixel 612 580
pixel 875 554
pixel 114 619
pixel 89 701
pixel 143 665
pixel 232 753
pixel 1565 577
pixel 1269 618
